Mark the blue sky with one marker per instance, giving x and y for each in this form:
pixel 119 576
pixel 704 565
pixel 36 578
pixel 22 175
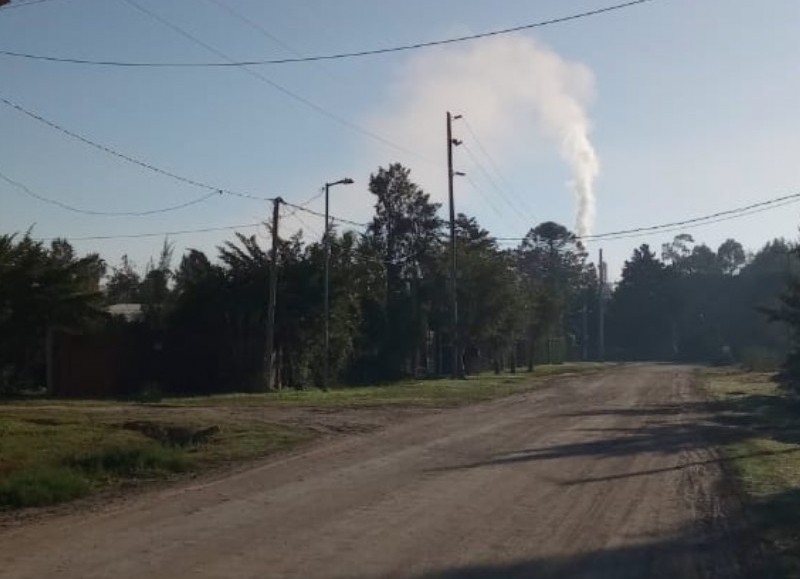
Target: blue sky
pixel 692 106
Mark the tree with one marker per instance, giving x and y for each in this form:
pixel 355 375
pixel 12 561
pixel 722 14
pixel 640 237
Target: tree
pixel 678 250
pixel 41 289
pixel 640 313
pixel 124 284
pixel 731 256
pixel 488 296
pixel 405 234
pixel 550 261
pixel 154 289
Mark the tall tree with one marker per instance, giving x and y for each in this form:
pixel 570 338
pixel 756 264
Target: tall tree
pixel 640 321
pixel 550 261
pixel 405 233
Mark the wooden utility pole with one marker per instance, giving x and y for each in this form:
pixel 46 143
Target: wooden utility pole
pixel 326 240
pixel 456 364
pixel 601 309
pixel 585 328
pixel 273 292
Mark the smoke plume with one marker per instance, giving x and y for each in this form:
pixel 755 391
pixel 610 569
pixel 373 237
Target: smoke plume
pixel 511 89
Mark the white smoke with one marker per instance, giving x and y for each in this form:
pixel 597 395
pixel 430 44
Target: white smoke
pixel 502 85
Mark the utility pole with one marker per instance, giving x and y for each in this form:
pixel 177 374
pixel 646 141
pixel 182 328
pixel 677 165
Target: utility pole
pixel 585 324
pixel 456 363
pixel 327 243
pixel 327 296
pixel 273 291
pixel 601 308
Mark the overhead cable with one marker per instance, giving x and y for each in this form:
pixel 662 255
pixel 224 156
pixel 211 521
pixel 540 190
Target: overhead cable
pixel 13 5
pixel 495 167
pixel 335 56
pixel 153 234
pixel 114 152
pixel 274 85
pixel 709 219
pixel 28 191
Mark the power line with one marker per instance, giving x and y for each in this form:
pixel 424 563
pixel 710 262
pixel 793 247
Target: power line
pixel 331 217
pixel 274 85
pixel 307 202
pixel 304 224
pixel 486 199
pixel 335 56
pixel 256 26
pixel 153 234
pixel 709 222
pixel 267 34
pixel 495 167
pixel 145 165
pixel 214 189
pixel 22 4
pixel 516 209
pixel 770 203
pixel 25 189
pixel 106 149
pixel 709 219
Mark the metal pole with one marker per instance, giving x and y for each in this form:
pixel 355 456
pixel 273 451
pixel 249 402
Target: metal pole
pixel 327 281
pixel 273 292
pixel 456 369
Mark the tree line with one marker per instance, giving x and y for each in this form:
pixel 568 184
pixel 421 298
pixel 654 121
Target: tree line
pixel 390 308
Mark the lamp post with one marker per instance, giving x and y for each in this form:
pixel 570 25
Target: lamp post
pixel 327 241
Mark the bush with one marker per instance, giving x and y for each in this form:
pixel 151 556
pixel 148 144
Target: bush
pixel 133 461
pixel 43 486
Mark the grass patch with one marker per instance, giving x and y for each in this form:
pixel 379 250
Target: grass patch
pixel 763 454
pixel 424 393
pixel 50 455
pixel 42 486
pixel 133 462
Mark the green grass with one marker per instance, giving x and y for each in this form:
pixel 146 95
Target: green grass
pixel 133 461
pixel 42 486
pixel 763 454
pixel 50 455
pixel 425 393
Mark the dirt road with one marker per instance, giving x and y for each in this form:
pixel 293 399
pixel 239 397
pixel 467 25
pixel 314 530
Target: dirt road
pixel 608 475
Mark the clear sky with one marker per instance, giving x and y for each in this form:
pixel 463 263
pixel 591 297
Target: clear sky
pixel 692 104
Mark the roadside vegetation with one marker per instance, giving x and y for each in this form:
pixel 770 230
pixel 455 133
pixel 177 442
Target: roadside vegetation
pixel 50 454
pixel 425 393
pixel 761 449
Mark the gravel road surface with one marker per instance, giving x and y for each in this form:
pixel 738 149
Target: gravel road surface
pixel 608 475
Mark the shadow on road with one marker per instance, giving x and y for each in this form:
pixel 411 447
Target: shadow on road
pixel 704 551
pixel 687 553
pixel 717 423
pixel 758 527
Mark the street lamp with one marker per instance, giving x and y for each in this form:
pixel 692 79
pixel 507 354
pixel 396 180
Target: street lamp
pixel 345 181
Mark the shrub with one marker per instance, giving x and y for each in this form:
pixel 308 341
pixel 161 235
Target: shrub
pixel 42 486
pixel 133 461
